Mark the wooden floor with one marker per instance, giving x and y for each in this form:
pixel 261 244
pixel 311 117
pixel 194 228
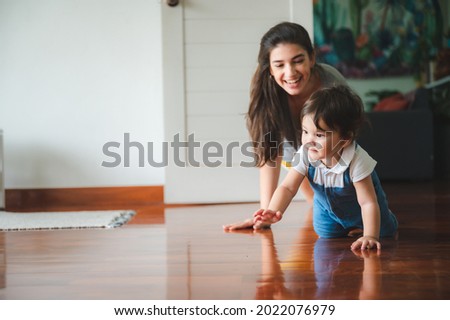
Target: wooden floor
pixel 183 253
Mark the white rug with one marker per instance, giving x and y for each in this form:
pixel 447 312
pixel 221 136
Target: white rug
pixel 17 221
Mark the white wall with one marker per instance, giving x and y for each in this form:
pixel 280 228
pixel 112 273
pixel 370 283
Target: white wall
pixel 74 75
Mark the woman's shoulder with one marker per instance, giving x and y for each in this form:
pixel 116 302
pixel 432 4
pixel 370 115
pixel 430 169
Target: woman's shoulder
pixel 330 76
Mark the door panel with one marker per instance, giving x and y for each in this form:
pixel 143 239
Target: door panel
pixel 239 10
pixel 209 52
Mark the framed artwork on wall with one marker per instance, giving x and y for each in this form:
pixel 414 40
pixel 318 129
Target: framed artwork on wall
pixel 377 38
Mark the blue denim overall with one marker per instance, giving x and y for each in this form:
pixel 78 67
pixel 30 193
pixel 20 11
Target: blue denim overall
pixel 336 210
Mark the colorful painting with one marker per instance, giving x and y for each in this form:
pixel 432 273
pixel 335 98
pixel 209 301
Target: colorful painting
pixel 377 38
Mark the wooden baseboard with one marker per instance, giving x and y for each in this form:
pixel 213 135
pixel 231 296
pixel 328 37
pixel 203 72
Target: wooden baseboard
pixel 45 199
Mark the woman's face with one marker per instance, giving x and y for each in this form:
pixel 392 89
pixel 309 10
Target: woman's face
pixel 290 66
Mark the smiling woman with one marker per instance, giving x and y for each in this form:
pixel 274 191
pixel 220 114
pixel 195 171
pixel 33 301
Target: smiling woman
pixel 286 75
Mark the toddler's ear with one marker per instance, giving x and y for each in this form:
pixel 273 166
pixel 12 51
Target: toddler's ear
pixel 348 140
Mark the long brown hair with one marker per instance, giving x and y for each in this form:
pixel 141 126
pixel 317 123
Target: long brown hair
pixel 269 119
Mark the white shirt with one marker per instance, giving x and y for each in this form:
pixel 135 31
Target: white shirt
pixel 357 160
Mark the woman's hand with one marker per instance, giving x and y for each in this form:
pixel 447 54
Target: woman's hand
pixel 239 225
pixel 261 219
pixel 365 243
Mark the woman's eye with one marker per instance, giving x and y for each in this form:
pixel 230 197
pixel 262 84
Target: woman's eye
pixel 320 135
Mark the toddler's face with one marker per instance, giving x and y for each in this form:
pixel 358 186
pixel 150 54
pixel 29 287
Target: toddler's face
pixel 322 144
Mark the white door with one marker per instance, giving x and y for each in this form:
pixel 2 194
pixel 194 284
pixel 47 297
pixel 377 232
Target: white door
pixel 210 51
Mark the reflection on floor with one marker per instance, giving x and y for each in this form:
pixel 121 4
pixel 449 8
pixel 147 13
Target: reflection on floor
pixel 184 254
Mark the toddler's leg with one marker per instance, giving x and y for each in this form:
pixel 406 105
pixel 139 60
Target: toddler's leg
pixel 356 233
pixel 324 224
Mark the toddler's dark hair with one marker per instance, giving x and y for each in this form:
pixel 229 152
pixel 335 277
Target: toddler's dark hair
pixel 339 107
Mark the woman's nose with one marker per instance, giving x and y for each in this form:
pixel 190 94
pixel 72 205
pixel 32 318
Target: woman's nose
pixel 291 69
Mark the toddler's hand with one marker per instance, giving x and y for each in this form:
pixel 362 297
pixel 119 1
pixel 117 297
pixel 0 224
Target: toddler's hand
pixel 264 218
pixel 366 242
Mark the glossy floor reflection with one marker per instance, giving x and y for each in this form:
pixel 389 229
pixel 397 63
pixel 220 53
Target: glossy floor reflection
pixel 183 253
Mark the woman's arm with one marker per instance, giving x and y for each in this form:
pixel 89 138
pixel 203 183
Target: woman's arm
pixel 269 174
pixel 370 211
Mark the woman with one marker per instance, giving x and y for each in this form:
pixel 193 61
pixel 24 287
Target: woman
pixel 286 75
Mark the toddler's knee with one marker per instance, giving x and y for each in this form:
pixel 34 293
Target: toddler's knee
pixel 327 233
